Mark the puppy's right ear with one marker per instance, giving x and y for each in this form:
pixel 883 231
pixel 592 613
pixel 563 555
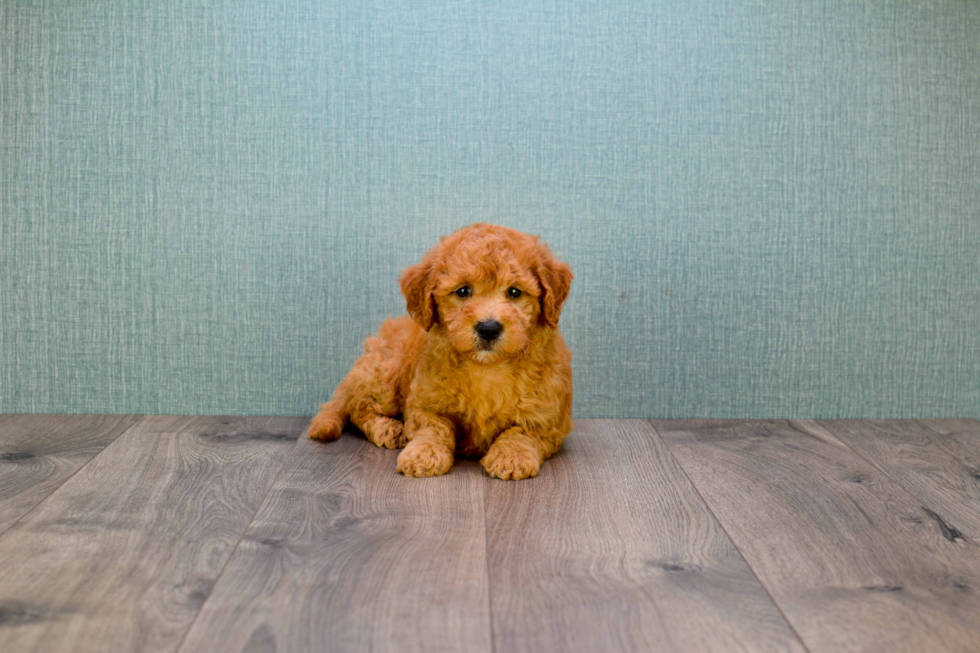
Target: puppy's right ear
pixel 417 286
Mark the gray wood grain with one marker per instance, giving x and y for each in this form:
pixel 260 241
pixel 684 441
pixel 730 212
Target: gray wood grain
pixel 937 461
pixel 611 549
pixel 123 554
pixel 40 452
pixel 854 561
pixel 347 555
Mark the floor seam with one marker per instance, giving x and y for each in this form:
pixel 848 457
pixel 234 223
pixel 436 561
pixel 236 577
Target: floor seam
pixel 234 549
pixel 486 554
pixel 138 421
pixel 922 502
pixel 707 506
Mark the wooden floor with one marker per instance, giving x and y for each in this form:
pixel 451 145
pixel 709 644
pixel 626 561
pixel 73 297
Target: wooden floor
pixel 158 533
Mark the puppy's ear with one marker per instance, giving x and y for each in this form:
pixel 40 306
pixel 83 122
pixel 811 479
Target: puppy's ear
pixel 417 286
pixel 556 280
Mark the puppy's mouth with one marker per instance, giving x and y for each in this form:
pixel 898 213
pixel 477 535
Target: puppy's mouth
pixel 485 351
pixel 482 355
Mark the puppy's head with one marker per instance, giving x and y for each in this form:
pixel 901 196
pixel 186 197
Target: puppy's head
pixel 489 289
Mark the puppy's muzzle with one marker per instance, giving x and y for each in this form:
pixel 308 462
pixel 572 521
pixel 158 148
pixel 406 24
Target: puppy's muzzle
pixel 489 330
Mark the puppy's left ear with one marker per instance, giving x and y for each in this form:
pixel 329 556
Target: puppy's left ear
pixel 416 283
pixel 556 280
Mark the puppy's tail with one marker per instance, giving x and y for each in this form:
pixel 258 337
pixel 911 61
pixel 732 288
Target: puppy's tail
pixel 330 421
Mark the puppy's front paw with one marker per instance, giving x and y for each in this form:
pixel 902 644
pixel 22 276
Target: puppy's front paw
pixel 422 458
pixel 511 461
pixel 327 425
pixel 385 432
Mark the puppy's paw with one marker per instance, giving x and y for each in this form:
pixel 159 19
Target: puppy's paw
pixel 422 458
pixel 511 461
pixel 327 425
pixel 387 433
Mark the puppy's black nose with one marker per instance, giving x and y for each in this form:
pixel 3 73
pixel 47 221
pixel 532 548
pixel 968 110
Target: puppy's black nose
pixel 489 330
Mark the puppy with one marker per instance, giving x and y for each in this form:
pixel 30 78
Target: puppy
pixel 479 369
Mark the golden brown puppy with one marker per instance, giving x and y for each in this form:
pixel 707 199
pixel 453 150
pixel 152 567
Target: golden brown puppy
pixel 482 370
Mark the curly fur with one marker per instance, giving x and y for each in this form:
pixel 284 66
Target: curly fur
pixel 508 401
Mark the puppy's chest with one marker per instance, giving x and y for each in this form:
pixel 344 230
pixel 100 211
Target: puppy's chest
pixel 485 401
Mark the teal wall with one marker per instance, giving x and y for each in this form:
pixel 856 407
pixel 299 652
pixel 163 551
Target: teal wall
pixel 772 208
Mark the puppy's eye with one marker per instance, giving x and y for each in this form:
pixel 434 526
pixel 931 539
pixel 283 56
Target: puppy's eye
pixel 513 292
pixel 464 292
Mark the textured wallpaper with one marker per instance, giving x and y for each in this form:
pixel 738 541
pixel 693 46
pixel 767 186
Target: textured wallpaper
pixel 772 208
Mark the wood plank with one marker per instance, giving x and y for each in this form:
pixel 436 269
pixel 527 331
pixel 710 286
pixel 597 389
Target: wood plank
pixel 347 555
pixel 853 560
pixel 124 553
pixel 611 549
pixel 937 461
pixel 40 452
